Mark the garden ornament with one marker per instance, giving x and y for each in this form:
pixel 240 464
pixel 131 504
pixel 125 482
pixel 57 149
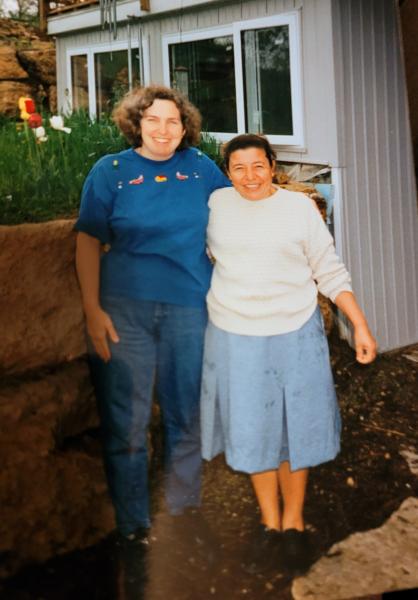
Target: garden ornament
pixel 27 107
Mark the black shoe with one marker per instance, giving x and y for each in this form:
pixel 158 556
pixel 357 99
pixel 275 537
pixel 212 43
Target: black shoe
pixel 264 552
pixel 132 552
pixel 296 551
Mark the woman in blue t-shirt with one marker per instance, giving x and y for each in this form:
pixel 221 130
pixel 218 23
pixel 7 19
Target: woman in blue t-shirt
pixel 144 298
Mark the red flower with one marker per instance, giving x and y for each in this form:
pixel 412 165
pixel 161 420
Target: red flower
pixel 30 106
pixel 35 120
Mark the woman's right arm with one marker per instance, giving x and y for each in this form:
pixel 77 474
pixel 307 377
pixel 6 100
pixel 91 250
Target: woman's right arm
pixel 99 324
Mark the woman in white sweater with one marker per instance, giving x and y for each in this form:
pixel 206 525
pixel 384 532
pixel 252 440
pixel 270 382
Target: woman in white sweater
pixel 268 398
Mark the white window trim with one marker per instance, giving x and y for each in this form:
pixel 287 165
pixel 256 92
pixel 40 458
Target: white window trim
pixel 292 19
pixel 293 22
pixel 192 36
pixel 90 51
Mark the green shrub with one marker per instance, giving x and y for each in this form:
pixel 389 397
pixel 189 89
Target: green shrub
pixel 43 181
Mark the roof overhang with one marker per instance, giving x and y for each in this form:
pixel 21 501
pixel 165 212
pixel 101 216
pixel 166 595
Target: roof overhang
pixel 89 17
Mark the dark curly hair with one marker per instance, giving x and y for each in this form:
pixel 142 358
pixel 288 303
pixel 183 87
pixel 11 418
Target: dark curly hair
pixel 129 111
pixel 244 141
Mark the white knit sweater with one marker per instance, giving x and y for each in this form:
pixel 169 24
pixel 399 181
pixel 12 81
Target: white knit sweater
pixel 272 256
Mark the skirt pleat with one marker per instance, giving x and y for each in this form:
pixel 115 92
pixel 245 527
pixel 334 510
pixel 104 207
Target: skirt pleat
pixel 269 399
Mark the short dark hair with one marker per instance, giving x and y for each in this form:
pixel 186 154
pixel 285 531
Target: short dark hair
pixel 129 111
pixel 248 140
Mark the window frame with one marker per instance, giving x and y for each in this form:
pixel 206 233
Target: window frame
pixel 292 20
pixel 193 36
pixel 90 52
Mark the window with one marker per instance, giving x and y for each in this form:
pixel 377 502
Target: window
pixel 245 77
pixel 204 71
pixel 266 74
pixel 79 79
pixel 100 75
pixel 111 71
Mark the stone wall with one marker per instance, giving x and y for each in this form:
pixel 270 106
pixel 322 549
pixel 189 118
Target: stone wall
pixel 53 495
pixel 27 67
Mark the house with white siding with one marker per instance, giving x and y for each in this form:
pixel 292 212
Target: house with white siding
pixel 323 79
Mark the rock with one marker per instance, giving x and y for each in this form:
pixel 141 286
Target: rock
pixel 10 67
pixel 382 560
pixel 11 30
pixel 26 56
pixel 41 317
pixel 61 403
pixel 39 62
pixel 52 491
pixel 411 457
pixel 10 92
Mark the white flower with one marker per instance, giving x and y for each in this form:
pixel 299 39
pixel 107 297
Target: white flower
pixel 40 134
pixel 57 123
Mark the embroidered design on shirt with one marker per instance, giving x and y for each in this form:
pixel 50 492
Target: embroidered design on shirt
pixel 137 181
pixel 120 185
pixel 181 177
pixel 115 164
pixel 160 178
pixel 196 175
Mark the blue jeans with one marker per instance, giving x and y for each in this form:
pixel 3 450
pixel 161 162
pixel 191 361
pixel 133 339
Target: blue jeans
pixel 161 343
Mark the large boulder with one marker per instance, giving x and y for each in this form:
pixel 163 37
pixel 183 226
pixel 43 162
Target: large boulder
pixel 41 317
pixel 12 30
pixel 10 67
pixel 27 67
pixel 52 487
pixel 372 562
pixel 10 92
pixel 39 62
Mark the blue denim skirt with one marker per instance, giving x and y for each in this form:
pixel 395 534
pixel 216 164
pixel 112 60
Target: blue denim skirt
pixel 269 399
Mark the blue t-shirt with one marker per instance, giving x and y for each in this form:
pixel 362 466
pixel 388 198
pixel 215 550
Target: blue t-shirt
pixel 154 215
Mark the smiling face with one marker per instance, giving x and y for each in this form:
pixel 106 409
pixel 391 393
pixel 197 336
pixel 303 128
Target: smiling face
pixel 251 173
pixel 161 130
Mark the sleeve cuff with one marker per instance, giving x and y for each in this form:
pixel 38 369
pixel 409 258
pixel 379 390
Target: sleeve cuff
pixel 94 231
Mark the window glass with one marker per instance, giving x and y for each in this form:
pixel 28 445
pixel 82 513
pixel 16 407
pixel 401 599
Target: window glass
pixel 112 80
pixel 204 71
pixel 79 81
pixel 266 66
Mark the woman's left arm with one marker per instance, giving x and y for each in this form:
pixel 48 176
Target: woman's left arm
pixel 364 341
pixel 333 280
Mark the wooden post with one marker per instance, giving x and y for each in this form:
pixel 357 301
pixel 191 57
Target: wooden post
pixel 43 11
pixel 144 4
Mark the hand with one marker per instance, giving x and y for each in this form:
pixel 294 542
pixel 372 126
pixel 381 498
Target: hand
pixel 365 344
pixel 100 328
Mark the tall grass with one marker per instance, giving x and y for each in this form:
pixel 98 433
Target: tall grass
pixel 43 181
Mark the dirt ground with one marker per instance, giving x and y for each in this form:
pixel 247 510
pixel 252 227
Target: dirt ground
pixel 358 491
